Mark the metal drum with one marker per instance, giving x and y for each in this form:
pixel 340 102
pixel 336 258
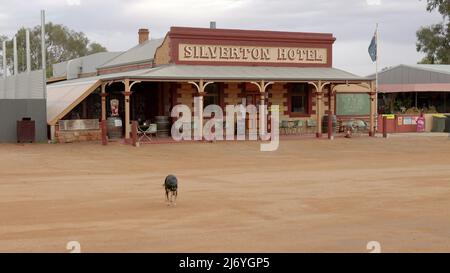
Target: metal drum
pixel 114 125
pixel 162 125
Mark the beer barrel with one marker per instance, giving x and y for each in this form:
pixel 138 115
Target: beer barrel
pixel 325 123
pixel 162 126
pixel 114 125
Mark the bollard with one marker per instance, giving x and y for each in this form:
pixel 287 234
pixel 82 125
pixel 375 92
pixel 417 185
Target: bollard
pixel 134 129
pixel 330 127
pixel 385 127
pixel 104 132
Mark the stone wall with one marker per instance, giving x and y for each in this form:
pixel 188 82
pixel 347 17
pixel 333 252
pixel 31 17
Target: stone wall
pixel 185 93
pixel 278 96
pixel 231 94
pixel 77 136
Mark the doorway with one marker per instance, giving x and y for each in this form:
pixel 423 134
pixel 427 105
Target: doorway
pixel 252 98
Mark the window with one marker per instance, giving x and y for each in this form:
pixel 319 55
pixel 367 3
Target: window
pixel 211 95
pixel 299 100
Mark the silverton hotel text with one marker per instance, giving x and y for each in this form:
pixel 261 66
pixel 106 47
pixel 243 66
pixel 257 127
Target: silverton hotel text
pixel 189 52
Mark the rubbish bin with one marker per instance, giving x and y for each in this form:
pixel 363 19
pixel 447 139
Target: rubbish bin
pixel 438 123
pixel 420 124
pixel 26 130
pixel 447 123
pixel 114 125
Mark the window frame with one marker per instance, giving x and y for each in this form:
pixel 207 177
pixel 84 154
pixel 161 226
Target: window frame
pixel 219 94
pixel 308 100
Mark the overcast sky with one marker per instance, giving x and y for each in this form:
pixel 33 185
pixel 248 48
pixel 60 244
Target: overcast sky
pixel 114 23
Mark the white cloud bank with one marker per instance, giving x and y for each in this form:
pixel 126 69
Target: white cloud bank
pixel 114 23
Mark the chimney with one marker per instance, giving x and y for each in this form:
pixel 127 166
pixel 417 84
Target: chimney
pixel 212 24
pixel 143 35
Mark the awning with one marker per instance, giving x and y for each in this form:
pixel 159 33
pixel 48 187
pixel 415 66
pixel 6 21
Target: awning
pixel 63 97
pixel 244 73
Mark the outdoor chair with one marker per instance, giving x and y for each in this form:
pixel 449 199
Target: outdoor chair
pixel 297 126
pixel 311 124
pixel 284 126
pixel 146 131
pixel 359 126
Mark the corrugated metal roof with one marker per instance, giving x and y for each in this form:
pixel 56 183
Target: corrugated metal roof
pixel 61 98
pixel 119 75
pixel 415 74
pixel 441 68
pixel 88 63
pixel 245 73
pixel 205 72
pixel 138 54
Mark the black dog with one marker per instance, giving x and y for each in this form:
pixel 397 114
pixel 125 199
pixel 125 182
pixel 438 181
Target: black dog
pixel 171 187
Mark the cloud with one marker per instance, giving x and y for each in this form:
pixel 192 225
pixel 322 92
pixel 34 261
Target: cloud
pixel 373 2
pixel 114 23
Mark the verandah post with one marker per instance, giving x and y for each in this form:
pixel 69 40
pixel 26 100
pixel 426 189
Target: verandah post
pixel 134 130
pixel 103 102
pixel 319 109
pixel 330 125
pixel 104 132
pixel 127 94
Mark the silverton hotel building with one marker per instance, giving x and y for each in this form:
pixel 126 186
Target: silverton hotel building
pixel 223 66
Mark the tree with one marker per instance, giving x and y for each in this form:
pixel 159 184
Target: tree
pixel 96 48
pixel 443 6
pixel 2 38
pixel 434 40
pixel 62 45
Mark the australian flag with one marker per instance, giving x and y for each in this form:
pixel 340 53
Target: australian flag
pixel 373 47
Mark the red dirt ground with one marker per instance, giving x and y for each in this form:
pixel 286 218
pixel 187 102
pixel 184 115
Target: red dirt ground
pixel 310 195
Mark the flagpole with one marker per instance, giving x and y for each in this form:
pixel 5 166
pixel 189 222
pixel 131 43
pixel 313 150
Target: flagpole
pixel 376 74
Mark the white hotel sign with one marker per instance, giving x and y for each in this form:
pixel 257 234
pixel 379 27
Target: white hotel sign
pixel 251 54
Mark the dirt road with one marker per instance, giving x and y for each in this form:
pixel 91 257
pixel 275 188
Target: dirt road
pixel 310 195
